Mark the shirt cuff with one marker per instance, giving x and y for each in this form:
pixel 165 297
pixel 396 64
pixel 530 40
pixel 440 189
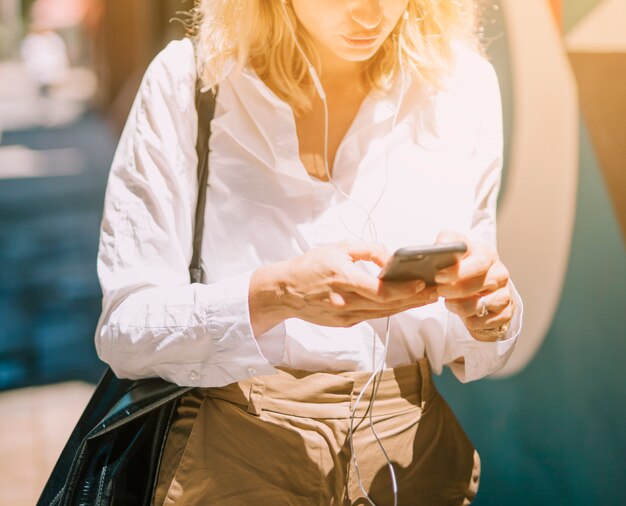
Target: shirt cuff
pixel 218 350
pixel 233 343
pixel 482 358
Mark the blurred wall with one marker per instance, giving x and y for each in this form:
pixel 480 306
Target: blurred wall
pixel 130 34
pixel 55 154
pixel 550 427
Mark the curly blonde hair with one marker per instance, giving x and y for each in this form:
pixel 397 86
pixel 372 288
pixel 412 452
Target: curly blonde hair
pixel 255 33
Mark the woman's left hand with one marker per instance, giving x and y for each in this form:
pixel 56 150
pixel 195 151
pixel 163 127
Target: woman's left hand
pixel 476 288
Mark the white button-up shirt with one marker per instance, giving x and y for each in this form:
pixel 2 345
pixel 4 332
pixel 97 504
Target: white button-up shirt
pixel 439 168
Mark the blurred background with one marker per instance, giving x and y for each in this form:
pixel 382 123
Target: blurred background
pixel 550 427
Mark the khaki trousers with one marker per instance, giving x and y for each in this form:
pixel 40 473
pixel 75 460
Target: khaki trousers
pixel 283 440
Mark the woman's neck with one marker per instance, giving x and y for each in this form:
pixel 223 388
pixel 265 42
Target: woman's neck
pixel 338 73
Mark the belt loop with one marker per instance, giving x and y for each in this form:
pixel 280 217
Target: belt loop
pixel 426 379
pixel 257 389
pixel 353 394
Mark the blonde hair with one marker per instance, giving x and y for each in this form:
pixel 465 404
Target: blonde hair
pixel 255 33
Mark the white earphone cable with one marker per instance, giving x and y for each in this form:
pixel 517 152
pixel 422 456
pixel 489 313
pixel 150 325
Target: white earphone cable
pixel 378 370
pixel 369 223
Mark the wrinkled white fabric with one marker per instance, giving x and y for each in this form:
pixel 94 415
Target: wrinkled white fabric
pixel 443 161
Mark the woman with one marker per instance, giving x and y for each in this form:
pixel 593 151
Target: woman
pixel 378 126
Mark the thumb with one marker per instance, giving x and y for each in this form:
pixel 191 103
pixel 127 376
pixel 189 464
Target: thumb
pixel 368 251
pixel 450 236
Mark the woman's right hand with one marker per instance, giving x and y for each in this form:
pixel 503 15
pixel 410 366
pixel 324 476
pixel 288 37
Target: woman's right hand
pixel 325 287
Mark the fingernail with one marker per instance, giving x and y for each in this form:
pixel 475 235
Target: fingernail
pixel 419 286
pixel 442 277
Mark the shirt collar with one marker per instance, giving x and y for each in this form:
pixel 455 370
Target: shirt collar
pixel 378 104
pixel 275 121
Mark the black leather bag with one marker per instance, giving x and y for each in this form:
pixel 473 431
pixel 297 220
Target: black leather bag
pixel 113 455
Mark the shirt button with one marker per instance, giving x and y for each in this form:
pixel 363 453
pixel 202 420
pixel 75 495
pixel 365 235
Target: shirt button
pixel 252 371
pixel 193 375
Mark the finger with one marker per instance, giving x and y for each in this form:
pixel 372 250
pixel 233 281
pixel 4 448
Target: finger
pixel 367 251
pixel 495 278
pixel 337 300
pixel 388 291
pixel 355 302
pixel 354 279
pixel 492 320
pixel 473 265
pixel 495 302
pixel 353 317
pixel 450 236
pixel 358 281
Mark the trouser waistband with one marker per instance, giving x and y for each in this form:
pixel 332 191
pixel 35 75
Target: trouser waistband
pixel 331 394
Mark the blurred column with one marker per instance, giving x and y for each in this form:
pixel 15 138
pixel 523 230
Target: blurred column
pixel 124 48
pixel 557 10
pixel 597 52
pixel 130 35
pixel 10 26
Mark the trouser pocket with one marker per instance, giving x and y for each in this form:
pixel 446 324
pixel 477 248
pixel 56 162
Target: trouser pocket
pixel 183 423
pixel 446 466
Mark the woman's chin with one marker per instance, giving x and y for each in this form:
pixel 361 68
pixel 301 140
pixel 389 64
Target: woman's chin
pixel 356 54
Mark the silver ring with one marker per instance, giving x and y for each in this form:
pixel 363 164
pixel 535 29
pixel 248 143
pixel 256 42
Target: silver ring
pixel 482 308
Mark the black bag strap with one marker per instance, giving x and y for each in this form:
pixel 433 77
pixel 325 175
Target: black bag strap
pixel 205 106
pixel 117 402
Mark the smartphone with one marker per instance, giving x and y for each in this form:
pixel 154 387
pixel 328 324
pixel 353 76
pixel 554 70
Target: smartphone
pixel 422 262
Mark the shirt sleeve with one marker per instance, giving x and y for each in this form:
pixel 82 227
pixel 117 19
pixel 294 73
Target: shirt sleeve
pixel 484 358
pixel 154 322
